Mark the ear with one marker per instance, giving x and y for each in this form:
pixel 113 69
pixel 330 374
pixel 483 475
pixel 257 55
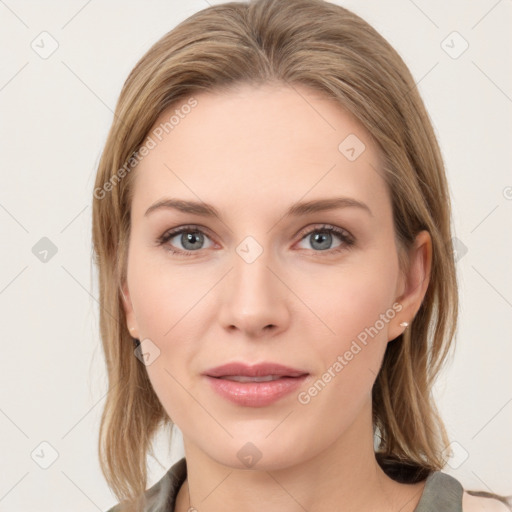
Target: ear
pixel 413 285
pixel 131 321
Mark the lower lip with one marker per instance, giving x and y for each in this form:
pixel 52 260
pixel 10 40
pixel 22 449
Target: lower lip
pixel 255 394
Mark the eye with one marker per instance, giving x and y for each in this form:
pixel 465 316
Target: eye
pixel 321 238
pixel 191 239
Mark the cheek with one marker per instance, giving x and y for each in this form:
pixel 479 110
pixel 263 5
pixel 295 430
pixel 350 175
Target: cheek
pixel 350 302
pixel 358 309
pixel 354 305
pixel 163 296
pixel 167 305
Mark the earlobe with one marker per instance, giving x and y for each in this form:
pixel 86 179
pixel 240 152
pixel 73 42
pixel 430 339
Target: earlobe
pixel 395 330
pixel 131 322
pixel 416 281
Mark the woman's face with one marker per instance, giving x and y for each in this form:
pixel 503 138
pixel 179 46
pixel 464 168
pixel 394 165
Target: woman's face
pixel 260 284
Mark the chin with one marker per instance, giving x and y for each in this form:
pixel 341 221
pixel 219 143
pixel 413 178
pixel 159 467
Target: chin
pixel 259 454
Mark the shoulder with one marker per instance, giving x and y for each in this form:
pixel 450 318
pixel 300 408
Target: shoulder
pixel 162 495
pixel 472 503
pixel 115 508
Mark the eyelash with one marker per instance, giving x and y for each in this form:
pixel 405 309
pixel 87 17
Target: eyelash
pixel 347 240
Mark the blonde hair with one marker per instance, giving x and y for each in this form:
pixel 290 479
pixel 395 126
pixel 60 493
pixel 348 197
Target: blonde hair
pixel 332 50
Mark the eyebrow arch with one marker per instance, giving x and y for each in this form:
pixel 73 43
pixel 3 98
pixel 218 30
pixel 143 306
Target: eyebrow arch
pixel 296 209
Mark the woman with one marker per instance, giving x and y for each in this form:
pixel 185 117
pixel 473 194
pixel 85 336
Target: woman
pixel 271 225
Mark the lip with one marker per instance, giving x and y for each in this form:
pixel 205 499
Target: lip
pixel 256 370
pixel 255 394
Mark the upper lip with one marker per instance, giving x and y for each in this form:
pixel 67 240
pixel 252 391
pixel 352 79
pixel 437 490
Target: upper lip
pixel 256 370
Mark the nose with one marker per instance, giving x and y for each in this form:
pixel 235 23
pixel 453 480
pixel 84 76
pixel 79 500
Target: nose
pixel 254 298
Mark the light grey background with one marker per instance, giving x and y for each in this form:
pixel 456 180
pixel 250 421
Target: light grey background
pixel 55 114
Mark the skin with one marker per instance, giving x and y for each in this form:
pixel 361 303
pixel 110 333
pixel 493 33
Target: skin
pixel 252 152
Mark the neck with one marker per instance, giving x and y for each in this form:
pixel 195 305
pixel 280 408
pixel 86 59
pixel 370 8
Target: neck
pixel 345 476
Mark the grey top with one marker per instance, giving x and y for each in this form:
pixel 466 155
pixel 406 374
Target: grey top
pixel 442 492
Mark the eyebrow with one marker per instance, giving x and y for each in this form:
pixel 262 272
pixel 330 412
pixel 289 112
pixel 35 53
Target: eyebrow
pixel 295 210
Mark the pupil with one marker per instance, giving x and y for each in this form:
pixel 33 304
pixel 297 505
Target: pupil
pixel 190 238
pixel 322 237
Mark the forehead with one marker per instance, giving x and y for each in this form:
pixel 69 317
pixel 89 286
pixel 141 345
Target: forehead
pixel 257 146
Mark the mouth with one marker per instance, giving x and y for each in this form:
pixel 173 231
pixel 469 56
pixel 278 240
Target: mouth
pixel 244 378
pixel 254 386
pixel 265 370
